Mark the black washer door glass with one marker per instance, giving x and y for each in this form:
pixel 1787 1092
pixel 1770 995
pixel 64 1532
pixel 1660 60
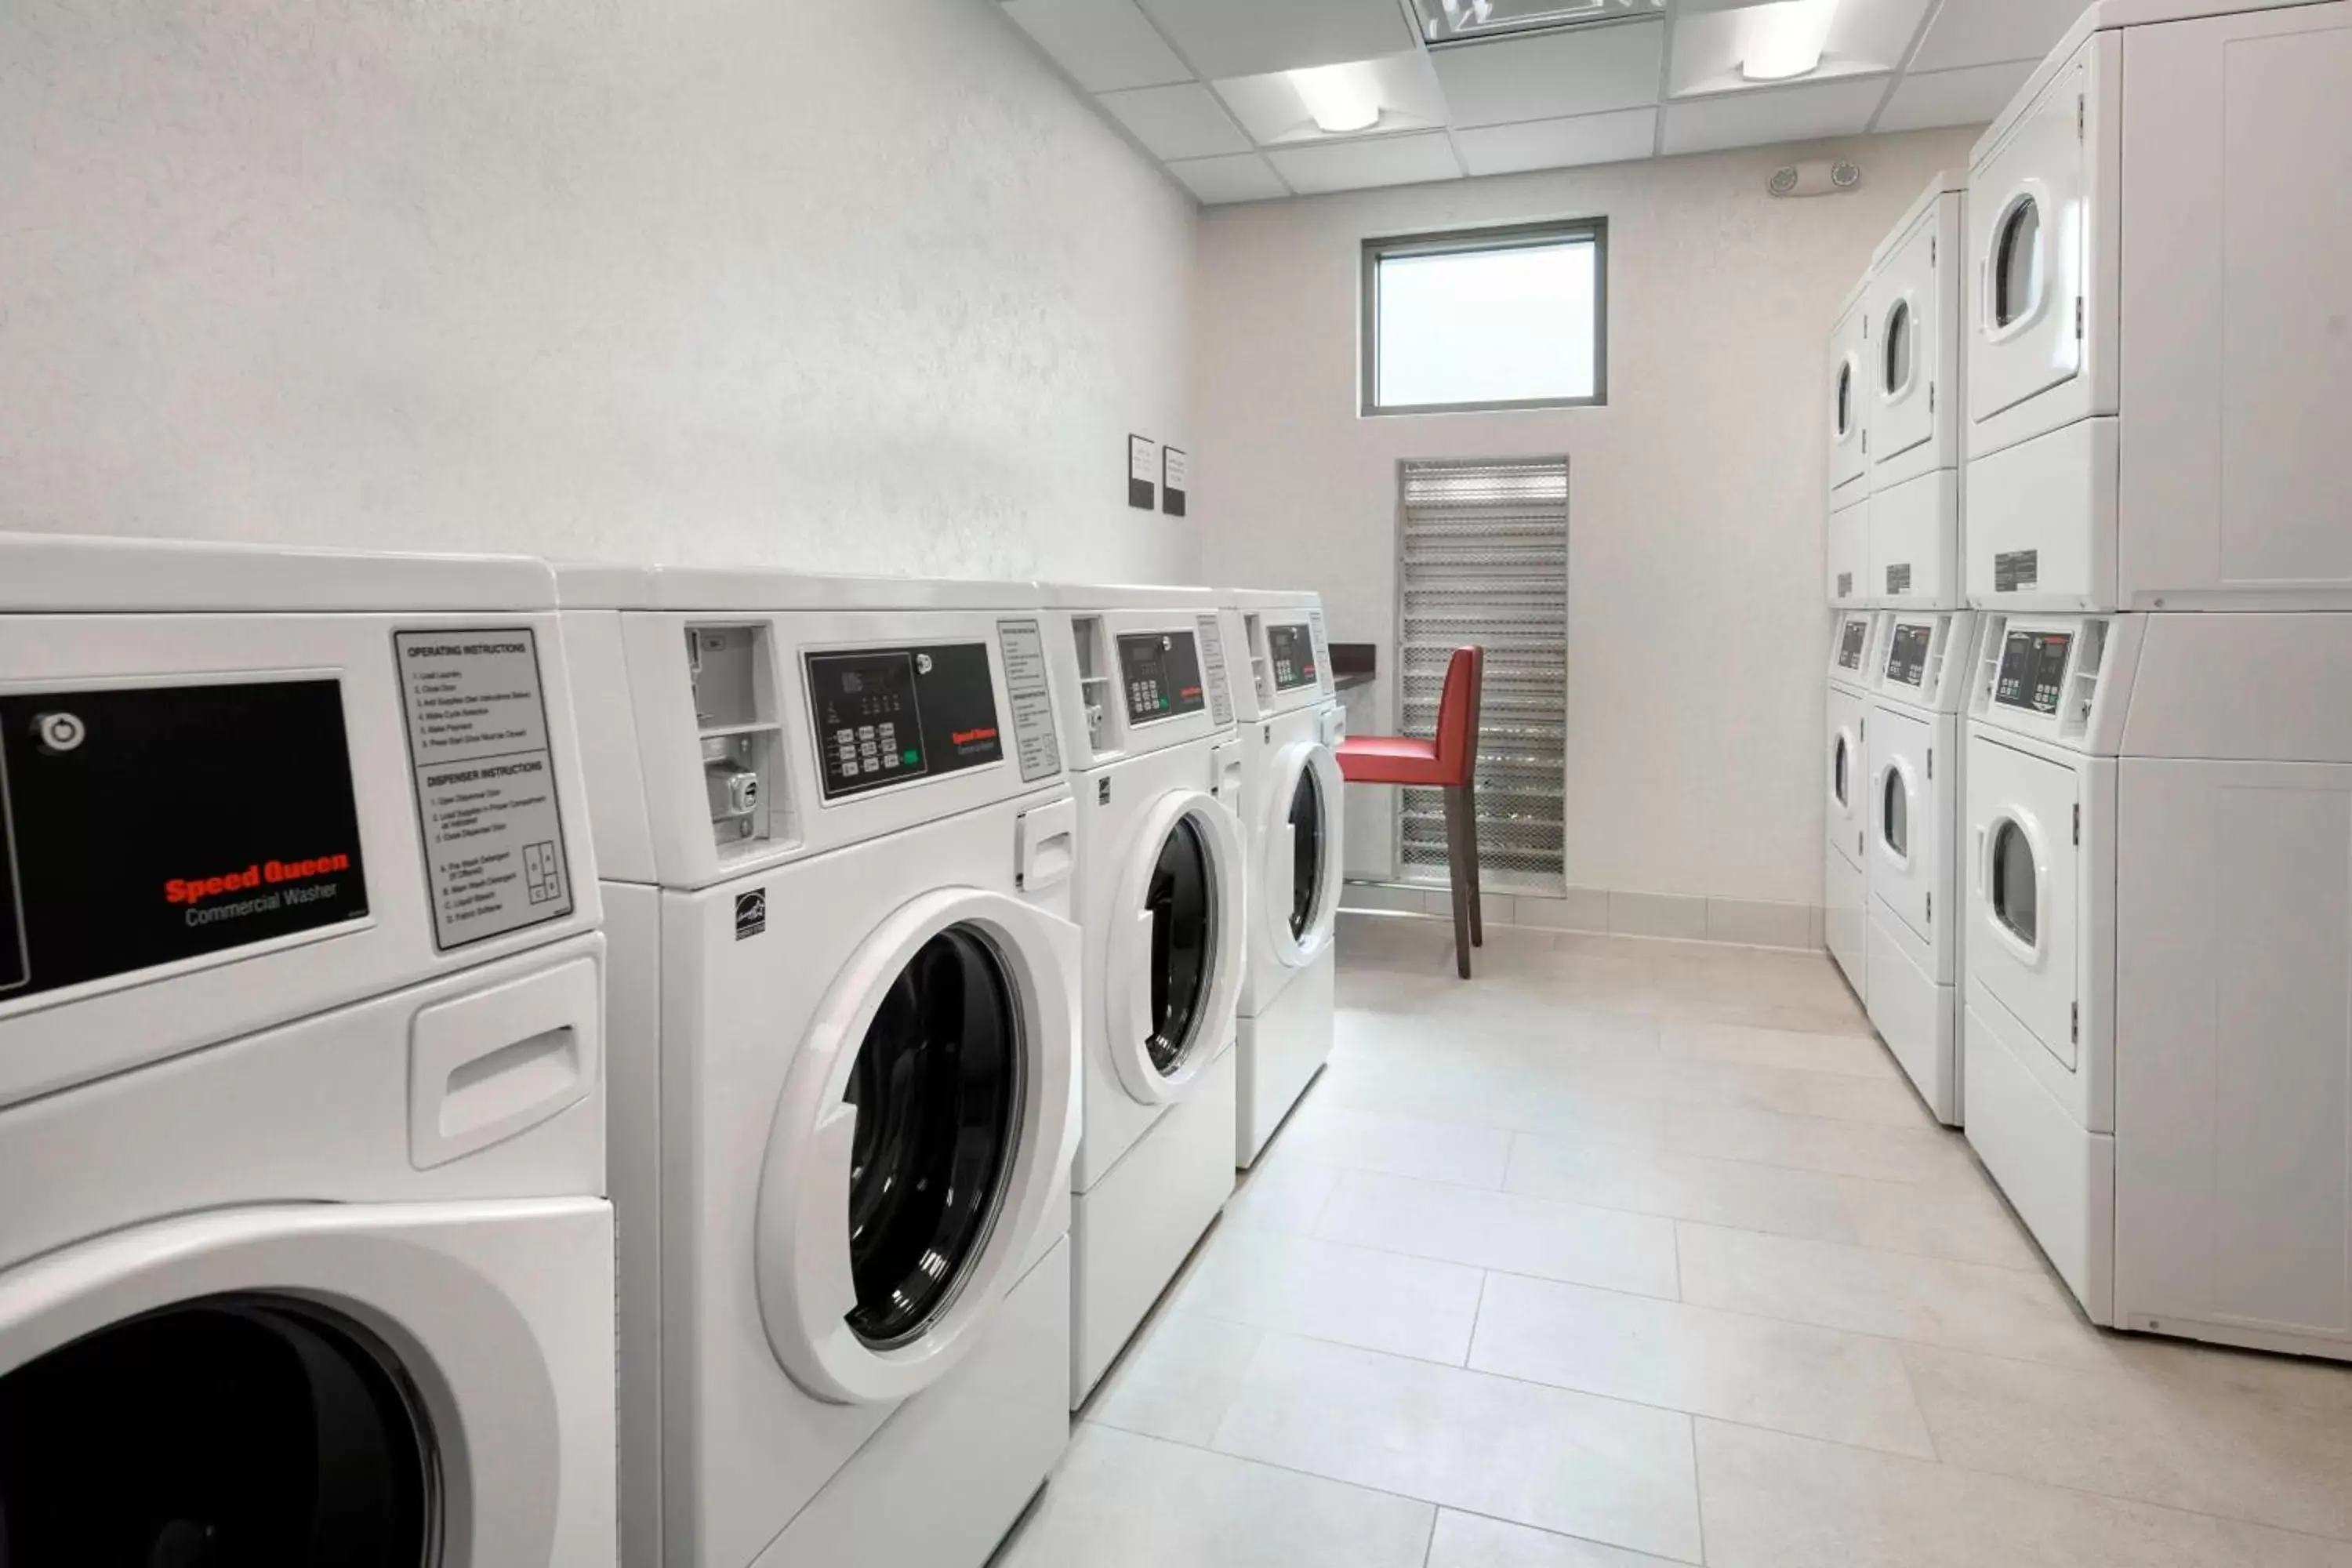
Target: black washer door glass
pixel 1306 851
pixel 936 1085
pixel 2016 255
pixel 1898 347
pixel 2013 881
pixel 1837 770
pixel 1894 815
pixel 1182 903
pixel 228 1432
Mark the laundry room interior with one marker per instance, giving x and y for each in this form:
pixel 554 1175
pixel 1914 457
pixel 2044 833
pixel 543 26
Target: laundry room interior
pixel 1176 783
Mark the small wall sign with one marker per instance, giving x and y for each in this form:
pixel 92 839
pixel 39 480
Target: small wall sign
pixel 1143 472
pixel 1173 467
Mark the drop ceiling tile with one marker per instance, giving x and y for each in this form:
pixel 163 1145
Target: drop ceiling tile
pixel 1546 75
pixel 1983 32
pixel 1558 143
pixel 1783 114
pixel 1105 44
pixel 1181 121
pixel 1355 165
pixel 1243 178
pixel 1250 37
pixel 1271 110
pixel 1970 96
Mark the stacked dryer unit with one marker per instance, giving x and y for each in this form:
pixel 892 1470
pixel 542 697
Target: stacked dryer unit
pixel 1147 710
pixel 2159 832
pixel 304 1257
pixel 1290 721
pixel 838 845
pixel 1918 333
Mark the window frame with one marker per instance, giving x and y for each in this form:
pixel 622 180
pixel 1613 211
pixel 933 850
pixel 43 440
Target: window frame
pixel 1456 241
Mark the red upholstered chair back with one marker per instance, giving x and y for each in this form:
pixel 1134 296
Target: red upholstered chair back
pixel 1458 715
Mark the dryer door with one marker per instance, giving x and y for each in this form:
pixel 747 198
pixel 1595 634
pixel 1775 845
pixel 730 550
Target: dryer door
pixel 1298 853
pixel 1849 410
pixel 2028 242
pixel 1846 804
pixel 1176 946
pixel 1904 840
pixel 338 1386
pixel 2023 883
pixel 1906 342
pixel 919 1141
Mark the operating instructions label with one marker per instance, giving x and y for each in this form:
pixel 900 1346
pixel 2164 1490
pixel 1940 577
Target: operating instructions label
pixel 1033 700
pixel 485 781
pixel 1213 654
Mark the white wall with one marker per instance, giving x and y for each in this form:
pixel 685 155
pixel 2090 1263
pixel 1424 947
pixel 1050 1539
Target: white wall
pixel 1696 626
pixel 698 280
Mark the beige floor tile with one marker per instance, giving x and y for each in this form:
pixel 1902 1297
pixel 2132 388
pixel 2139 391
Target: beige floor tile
pixel 1176 1378
pixel 1472 1541
pixel 1323 1131
pixel 1501 1231
pixel 1353 1295
pixel 2175 1427
pixel 1815 1144
pixel 1849 1388
pixel 1834 1096
pixel 1599 1469
pixel 1137 1502
pixel 1777 1048
pixel 1283 1192
pixel 1932 1300
pixel 1601 1098
pixel 1777 1502
pixel 1955 1220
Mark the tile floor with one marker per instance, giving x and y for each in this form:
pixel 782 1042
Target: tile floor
pixel 1635 1252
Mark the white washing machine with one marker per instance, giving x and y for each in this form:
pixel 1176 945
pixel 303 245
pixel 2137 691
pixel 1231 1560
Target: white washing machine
pixel 1848 557
pixel 1845 896
pixel 1913 806
pixel 304 1258
pixel 1289 720
pixel 1147 706
pixel 2158 1037
pixel 2157 232
pixel 837 846
pixel 1917 325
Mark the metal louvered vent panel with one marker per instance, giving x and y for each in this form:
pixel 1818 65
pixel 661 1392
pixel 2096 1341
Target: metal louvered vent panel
pixel 1483 558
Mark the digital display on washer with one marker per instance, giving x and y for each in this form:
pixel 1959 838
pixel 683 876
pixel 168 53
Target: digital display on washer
pixel 2033 669
pixel 1851 637
pixel 1291 651
pixel 1907 656
pixel 142 825
pixel 1162 672
pixel 884 716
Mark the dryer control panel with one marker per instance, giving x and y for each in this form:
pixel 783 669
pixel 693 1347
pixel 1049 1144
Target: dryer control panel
pixel 1854 636
pixel 2033 669
pixel 885 716
pixel 1906 652
pixel 1160 672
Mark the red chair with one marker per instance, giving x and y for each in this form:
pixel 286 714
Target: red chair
pixel 1449 764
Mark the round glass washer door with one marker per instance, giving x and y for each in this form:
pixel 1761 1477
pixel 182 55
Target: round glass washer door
pixel 919 1142
pixel 1298 854
pixel 1173 965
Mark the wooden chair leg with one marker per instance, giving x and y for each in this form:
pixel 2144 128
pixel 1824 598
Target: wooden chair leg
pixel 1470 857
pixel 1463 878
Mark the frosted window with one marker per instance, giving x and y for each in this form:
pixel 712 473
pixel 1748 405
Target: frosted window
pixel 1516 322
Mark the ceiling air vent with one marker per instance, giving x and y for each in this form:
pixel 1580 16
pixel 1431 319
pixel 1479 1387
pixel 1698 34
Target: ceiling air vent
pixel 1465 21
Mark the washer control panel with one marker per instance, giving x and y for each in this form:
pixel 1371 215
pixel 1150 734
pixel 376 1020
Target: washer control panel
pixel 1906 652
pixel 1854 636
pixel 2033 669
pixel 1160 672
pixel 1291 650
pixel 888 716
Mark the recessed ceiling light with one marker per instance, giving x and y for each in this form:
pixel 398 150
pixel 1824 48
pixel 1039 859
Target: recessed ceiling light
pixel 1461 21
pixel 1338 99
pixel 1785 39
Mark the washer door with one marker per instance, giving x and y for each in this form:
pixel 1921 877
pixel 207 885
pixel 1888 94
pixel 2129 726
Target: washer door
pixel 1298 854
pixel 2022 889
pixel 920 1139
pixel 1902 827
pixel 1845 807
pixel 1176 943
pixel 329 1384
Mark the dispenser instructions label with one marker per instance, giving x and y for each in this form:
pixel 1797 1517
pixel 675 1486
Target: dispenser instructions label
pixel 1212 654
pixel 1033 742
pixel 485 781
